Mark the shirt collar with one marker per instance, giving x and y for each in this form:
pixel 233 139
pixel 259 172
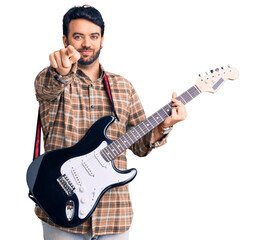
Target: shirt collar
pixel 76 70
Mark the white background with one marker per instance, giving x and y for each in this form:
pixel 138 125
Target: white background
pixel 207 182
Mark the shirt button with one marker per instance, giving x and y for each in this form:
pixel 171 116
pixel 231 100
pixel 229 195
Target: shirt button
pixel 93 106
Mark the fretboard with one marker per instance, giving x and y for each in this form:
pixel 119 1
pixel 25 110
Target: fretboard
pixel 114 149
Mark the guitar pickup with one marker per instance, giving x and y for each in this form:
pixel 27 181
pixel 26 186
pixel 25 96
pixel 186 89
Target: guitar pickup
pixel 66 185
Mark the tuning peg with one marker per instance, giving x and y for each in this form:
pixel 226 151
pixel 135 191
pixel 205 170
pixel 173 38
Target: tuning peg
pixel 226 66
pixel 201 74
pixel 217 69
pixel 211 71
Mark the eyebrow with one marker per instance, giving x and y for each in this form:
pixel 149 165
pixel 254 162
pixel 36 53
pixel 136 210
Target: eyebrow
pixel 76 33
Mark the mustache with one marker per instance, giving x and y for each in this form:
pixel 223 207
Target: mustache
pixel 84 49
pixel 87 48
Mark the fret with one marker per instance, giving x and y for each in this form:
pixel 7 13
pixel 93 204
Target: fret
pixel 186 96
pixel 120 146
pixel 165 112
pixel 124 141
pixel 123 146
pixel 107 154
pixel 143 127
pixel 162 114
pixel 114 149
pixel 192 91
pixel 103 154
pixel 153 121
pixel 167 109
pixel 131 136
pixel 139 130
pixel 110 153
pixel 135 133
pixel 190 95
pixel 180 98
pixel 149 124
pixel 117 147
pixel 157 118
pixel 197 90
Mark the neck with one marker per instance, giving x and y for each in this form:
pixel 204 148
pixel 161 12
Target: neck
pixel 92 70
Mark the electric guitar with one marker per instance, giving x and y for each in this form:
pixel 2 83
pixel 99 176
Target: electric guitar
pixel 68 183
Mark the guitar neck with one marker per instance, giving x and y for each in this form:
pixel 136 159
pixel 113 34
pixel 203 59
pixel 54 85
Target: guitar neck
pixel 114 149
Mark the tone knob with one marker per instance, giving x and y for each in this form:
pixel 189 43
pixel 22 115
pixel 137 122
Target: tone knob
pixel 83 200
pixel 81 189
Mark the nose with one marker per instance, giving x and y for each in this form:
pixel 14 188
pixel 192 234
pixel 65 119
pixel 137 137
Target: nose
pixel 86 42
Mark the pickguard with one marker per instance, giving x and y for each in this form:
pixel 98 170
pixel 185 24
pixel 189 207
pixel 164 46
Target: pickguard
pixel 91 175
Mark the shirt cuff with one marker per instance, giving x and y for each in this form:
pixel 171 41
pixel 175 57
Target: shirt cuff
pixel 63 79
pixel 159 143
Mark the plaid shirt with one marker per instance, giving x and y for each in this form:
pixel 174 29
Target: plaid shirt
pixel 69 105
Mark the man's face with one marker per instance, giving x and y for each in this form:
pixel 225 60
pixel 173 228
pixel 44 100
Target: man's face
pixel 85 37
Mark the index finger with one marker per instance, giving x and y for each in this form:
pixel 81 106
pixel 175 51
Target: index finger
pixel 70 51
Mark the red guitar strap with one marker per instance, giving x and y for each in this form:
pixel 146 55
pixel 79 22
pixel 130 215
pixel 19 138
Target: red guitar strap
pixel 37 138
pixel 38 130
pixel 108 90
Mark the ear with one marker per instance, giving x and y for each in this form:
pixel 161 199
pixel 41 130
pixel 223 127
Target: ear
pixel 65 42
pixel 101 42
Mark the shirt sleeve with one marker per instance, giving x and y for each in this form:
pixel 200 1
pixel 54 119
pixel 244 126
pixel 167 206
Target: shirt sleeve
pixel 49 84
pixel 137 115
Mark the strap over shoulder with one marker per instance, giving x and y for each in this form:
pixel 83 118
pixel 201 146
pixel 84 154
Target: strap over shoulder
pixel 108 90
pixel 37 138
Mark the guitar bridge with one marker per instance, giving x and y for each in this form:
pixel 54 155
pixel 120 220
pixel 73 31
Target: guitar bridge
pixel 66 185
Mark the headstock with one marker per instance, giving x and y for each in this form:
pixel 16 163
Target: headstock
pixel 212 81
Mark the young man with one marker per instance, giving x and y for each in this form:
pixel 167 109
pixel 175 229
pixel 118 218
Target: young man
pixel 72 97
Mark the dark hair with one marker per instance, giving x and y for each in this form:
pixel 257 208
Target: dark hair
pixel 86 12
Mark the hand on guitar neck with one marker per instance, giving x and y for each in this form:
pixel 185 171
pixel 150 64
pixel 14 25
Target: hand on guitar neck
pixel 178 114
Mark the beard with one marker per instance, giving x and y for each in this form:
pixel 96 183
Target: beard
pixel 92 59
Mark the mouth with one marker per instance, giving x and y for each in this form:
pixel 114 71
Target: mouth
pixel 86 52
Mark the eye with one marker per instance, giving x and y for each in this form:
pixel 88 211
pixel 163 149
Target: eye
pixel 94 37
pixel 77 37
